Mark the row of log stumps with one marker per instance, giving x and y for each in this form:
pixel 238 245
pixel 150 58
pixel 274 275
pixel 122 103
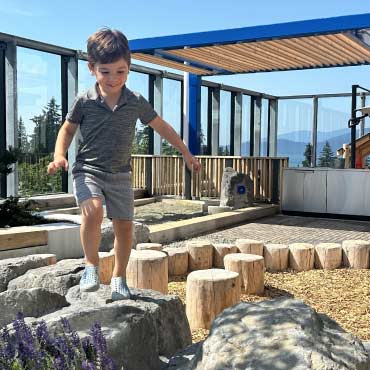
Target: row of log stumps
pixel 220 272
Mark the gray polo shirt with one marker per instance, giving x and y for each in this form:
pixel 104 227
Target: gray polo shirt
pixel 107 134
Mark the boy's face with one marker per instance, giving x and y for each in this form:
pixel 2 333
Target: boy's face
pixel 111 77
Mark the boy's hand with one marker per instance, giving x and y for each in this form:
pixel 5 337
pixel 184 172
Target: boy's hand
pixel 59 161
pixel 192 163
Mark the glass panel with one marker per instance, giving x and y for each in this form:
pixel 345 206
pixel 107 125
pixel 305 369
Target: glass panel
pixel 225 117
pixel 204 121
pixel 39 119
pixel 171 111
pixel 140 82
pixel 295 131
pixel 85 79
pixel 246 121
pixel 332 129
pixel 264 127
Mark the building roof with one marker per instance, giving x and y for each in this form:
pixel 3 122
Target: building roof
pixel 318 43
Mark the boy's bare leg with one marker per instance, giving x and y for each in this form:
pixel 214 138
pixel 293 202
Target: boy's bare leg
pixel 92 217
pixel 122 245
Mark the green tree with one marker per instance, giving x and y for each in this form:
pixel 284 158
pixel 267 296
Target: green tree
pixel 46 128
pixel 23 144
pixel 307 156
pixel 168 149
pixel 327 157
pixel 141 141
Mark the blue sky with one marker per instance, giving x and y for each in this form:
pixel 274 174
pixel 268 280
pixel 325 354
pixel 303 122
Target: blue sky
pixel 69 23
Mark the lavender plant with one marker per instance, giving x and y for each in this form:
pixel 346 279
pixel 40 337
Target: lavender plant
pixel 36 349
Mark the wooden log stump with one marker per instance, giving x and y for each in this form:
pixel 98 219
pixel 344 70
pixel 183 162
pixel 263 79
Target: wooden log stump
pixel 106 266
pixel 250 268
pixel 220 251
pixel 276 257
pixel 200 255
pixel 250 246
pixel 209 292
pixel 301 256
pixel 178 261
pixel 356 254
pixel 148 269
pixel 149 246
pixel 328 256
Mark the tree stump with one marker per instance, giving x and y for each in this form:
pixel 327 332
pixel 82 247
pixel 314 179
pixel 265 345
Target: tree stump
pixel 328 256
pixel 250 246
pixel 356 254
pixel 250 268
pixel 209 292
pixel 148 269
pixel 106 266
pixel 200 255
pixel 220 251
pixel 149 246
pixel 276 257
pixel 301 256
pixel 178 261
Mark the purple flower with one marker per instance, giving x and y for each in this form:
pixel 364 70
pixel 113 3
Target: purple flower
pixel 86 365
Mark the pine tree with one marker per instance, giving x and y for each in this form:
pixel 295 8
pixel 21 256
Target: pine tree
pixel 46 128
pixel 307 156
pixel 326 158
pixel 23 144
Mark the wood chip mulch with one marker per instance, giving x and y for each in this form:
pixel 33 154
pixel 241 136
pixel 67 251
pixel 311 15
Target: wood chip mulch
pixel 343 295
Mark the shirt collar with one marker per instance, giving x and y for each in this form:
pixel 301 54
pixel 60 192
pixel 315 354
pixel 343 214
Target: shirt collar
pixel 93 94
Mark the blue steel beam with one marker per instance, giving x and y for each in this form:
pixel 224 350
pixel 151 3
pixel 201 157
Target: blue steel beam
pixel 255 33
pixel 194 113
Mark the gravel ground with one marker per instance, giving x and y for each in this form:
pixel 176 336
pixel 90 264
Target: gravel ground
pixel 342 294
pixel 160 212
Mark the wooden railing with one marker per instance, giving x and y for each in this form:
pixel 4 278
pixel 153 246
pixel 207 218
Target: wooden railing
pixel 168 174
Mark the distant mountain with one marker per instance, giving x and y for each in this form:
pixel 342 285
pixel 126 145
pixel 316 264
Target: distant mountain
pixel 306 135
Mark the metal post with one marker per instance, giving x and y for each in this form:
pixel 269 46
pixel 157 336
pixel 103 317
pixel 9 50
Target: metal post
pixel 158 106
pixel 257 126
pixel 353 128
pixel 194 113
pixel 272 128
pixel 275 180
pixel 209 121
pixel 236 123
pixel 314 131
pixel 69 92
pixel 11 114
pixel 3 192
pixel 363 103
pixel 215 120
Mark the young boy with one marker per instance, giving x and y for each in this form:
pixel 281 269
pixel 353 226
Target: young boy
pixel 106 115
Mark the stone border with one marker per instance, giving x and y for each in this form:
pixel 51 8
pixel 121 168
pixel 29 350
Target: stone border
pixel 62 239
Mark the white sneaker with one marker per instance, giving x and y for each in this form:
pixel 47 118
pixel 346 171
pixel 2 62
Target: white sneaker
pixel 90 279
pixel 119 288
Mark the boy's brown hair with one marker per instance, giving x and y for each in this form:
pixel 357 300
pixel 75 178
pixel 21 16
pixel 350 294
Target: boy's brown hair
pixel 107 46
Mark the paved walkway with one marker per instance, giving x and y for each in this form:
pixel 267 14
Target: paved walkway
pixel 291 229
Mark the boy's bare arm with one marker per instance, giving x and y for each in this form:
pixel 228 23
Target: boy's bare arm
pixel 64 139
pixel 168 133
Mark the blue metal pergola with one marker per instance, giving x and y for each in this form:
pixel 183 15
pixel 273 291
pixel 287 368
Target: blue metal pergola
pixel 318 43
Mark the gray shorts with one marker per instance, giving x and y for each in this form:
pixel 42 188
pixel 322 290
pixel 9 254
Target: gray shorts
pixel 113 188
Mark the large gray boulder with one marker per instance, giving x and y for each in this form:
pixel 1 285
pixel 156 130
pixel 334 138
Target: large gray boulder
pixel 273 335
pixel 139 331
pixel 236 189
pixel 140 235
pixel 34 302
pixel 11 268
pixel 56 278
